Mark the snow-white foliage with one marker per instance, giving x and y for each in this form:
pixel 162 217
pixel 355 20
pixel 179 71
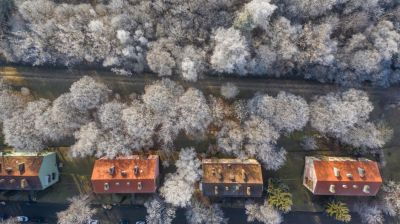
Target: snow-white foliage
pixel 161 62
pixel 87 93
pixel 230 138
pixel 159 212
pixel 86 138
pixel 287 112
pixel 262 213
pixel 260 141
pixel 78 211
pixel 19 130
pixel 260 12
pixel 390 195
pixel 61 119
pixel 140 125
pixel 10 220
pixel 230 52
pixel 229 90
pixel 309 8
pixel 162 98
pixel 178 187
pixel 335 113
pixel 370 213
pixel 194 112
pixel 345 116
pixel 192 65
pixel 110 115
pixel 10 102
pixel 199 213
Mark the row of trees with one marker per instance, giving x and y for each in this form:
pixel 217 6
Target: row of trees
pixel 104 125
pixel 346 41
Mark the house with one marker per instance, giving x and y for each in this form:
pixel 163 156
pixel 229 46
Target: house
pixel 129 174
pixel 341 176
pixel 231 178
pixel 28 171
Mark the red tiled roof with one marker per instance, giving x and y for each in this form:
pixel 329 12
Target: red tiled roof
pixel 349 181
pixel 124 179
pixel 11 177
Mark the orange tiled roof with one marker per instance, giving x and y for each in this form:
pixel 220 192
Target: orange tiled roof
pixel 324 171
pixel 147 167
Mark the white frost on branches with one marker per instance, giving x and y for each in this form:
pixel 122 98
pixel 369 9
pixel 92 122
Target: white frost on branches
pixel 87 93
pixel 263 213
pixel 179 187
pixel 78 212
pixel 199 213
pixel 159 212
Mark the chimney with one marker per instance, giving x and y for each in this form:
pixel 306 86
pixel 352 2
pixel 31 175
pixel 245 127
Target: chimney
pixel 9 170
pixel 21 168
pixel 361 172
pixel 139 185
pixel 220 176
pixel 213 171
pixel 124 173
pixel 332 189
pixel 111 170
pixel 232 177
pixel 349 175
pixel 244 175
pixel 336 171
pixel 136 170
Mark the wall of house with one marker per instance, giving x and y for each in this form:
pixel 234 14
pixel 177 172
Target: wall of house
pixel 49 166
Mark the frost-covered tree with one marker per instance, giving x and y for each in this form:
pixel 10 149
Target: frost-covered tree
pixel 161 61
pixel 193 63
pixel 287 112
pixel 11 220
pixel 86 139
pixel 110 115
pixel 194 112
pixel 260 142
pixel 229 90
pixel 230 53
pixel 140 125
pixel 10 102
pixel 161 98
pixel 198 213
pixel 78 211
pixel 178 187
pixel 259 12
pixel 87 93
pixel 390 196
pixel 309 8
pixel 345 116
pixel 159 212
pixel 61 119
pixel 263 213
pixel 336 113
pixel 230 138
pixel 370 213
pixel 19 130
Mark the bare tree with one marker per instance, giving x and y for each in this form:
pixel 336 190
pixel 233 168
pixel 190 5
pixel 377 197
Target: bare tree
pixel 79 211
